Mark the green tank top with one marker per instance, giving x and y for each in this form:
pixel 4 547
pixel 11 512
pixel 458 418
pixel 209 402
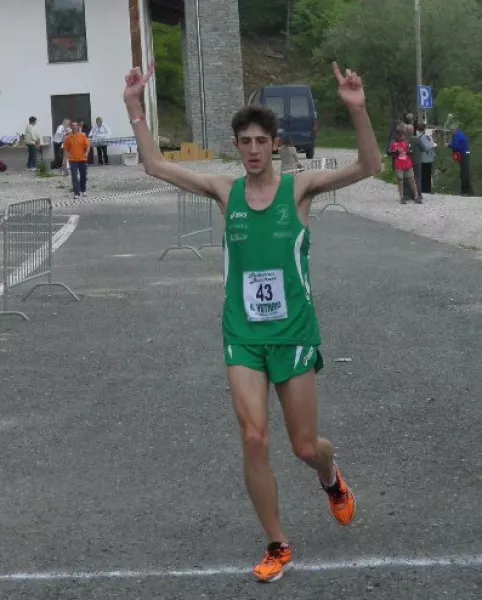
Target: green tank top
pixel 268 297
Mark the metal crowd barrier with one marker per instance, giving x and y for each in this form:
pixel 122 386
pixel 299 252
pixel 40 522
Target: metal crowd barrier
pixel 329 197
pixel 194 218
pixel 195 213
pixel 26 228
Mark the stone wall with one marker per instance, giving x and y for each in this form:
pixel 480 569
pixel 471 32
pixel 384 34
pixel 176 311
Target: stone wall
pixel 221 69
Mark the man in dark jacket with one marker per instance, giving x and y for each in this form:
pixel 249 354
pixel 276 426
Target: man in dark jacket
pixel 460 147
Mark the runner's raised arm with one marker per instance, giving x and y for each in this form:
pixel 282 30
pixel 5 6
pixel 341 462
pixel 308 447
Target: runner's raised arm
pixel 369 162
pixel 155 165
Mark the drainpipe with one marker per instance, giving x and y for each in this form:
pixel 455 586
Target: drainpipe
pixel 202 91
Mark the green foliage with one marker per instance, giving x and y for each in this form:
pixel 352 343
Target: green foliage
pixel 388 174
pixel 375 37
pixel 466 106
pixel 263 16
pixel 311 20
pixel 43 170
pixel 168 57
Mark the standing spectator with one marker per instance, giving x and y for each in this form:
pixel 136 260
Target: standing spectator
pixel 408 118
pixel 404 167
pixel 400 129
pixel 288 155
pixel 65 160
pixel 32 140
pixel 77 148
pixel 100 131
pixel 417 147
pixel 58 140
pixel 85 129
pixel 460 147
pixel 428 158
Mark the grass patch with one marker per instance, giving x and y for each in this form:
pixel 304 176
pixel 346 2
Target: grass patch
pixel 172 123
pixel 345 139
pixel 337 138
pixel 388 174
pixel 44 171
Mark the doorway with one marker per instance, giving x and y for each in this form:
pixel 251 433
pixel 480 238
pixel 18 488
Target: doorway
pixel 71 106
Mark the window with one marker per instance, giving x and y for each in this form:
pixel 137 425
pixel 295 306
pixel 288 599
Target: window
pixel 299 106
pixel 277 105
pixel 66 35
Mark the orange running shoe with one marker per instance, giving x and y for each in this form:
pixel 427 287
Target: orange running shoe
pixel 278 557
pixel 342 499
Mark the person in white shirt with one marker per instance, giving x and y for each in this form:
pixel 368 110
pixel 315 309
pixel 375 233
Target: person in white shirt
pixel 58 141
pixel 32 141
pixel 100 130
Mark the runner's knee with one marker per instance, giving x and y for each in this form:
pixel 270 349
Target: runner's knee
pixel 310 451
pixel 305 449
pixel 255 442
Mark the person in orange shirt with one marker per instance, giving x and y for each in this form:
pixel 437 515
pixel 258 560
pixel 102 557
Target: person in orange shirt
pixel 77 146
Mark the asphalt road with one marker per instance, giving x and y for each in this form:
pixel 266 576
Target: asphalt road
pixel 121 474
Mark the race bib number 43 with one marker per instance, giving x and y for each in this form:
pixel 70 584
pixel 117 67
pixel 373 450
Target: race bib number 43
pixel 264 295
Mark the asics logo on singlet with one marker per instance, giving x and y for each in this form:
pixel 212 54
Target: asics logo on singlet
pixel 238 215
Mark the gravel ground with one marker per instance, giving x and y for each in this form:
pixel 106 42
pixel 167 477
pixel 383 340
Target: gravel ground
pixel 450 219
pixel 103 182
pixel 455 220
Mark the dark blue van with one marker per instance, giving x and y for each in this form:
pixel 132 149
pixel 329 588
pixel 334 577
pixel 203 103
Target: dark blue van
pixel 295 109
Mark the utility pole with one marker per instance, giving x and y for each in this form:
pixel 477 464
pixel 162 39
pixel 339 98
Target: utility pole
pixel 288 25
pixel 418 46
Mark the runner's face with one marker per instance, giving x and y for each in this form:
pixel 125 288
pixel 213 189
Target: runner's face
pixel 255 146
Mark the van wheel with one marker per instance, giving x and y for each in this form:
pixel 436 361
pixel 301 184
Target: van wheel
pixel 310 153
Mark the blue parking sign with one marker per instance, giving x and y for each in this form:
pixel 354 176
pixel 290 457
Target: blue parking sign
pixel 425 99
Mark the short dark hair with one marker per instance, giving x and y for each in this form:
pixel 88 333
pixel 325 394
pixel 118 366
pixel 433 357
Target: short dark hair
pixel 32 120
pixel 255 114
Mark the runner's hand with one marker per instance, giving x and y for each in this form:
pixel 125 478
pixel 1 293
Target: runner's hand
pixel 350 88
pixel 135 84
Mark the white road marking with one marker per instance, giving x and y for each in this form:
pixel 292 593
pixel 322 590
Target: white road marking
pixel 65 232
pixel 463 561
pixel 128 255
pixel 59 238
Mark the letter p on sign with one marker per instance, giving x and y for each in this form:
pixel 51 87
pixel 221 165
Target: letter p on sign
pixel 425 97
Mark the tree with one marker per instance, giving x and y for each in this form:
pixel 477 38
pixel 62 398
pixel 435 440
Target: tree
pixel 168 57
pixel 465 105
pixel 376 37
pixel 263 16
pixel 311 20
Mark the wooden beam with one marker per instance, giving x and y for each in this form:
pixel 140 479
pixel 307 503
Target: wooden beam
pixel 136 43
pixel 136 40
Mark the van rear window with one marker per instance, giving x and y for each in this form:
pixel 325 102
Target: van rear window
pixel 277 105
pixel 299 106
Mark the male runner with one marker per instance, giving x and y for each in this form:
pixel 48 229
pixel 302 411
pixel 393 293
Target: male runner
pixel 270 329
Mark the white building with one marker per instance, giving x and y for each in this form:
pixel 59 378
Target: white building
pixel 68 59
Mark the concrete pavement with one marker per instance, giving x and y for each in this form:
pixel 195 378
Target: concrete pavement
pixel 121 453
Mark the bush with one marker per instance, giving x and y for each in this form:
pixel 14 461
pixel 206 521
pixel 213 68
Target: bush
pixel 466 107
pixel 169 71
